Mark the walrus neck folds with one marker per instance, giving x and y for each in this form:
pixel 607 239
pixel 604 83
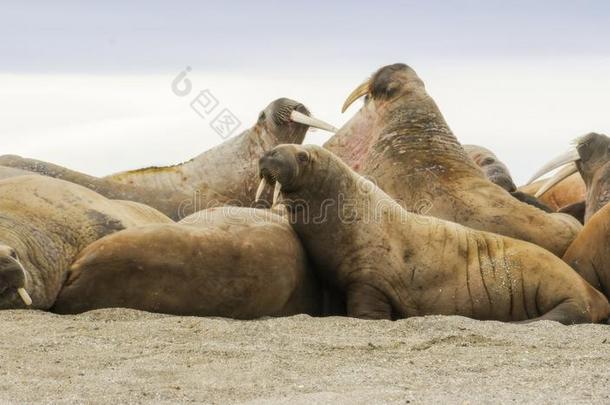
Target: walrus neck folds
pixel 418 136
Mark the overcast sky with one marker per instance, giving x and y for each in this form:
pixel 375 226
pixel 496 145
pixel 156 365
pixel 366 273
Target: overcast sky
pixel 89 85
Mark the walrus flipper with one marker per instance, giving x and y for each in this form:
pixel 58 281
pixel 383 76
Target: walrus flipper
pixel 365 301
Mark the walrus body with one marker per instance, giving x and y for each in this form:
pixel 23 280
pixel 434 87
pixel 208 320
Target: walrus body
pixel 224 175
pixel 395 264
pixel 401 142
pixel 44 223
pixel 589 254
pixel 230 262
pixel 174 204
pixel 570 191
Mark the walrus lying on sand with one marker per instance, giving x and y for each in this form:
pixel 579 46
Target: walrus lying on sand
pixel 44 223
pixel 224 175
pixel 231 262
pixel 394 264
pixel 400 140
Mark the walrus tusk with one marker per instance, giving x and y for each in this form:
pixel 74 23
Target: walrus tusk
pixel 27 300
pixel 311 121
pixel 260 189
pixel 568 157
pixel 276 193
pixel 564 173
pixel 355 95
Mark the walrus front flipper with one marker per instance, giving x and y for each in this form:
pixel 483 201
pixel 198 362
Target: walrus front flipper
pixel 365 301
pixel 531 200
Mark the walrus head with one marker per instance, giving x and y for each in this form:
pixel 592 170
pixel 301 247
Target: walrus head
pixel 396 104
pixel 12 275
pixel 286 167
pixel 386 85
pixel 590 157
pixel 287 121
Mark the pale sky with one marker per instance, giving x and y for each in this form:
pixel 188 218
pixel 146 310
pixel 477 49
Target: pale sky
pixel 88 85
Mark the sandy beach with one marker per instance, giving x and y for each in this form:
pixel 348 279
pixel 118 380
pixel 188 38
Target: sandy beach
pixel 125 356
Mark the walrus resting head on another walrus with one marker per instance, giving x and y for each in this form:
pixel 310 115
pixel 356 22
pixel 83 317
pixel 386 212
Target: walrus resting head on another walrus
pixel 44 223
pixel 400 140
pixel 394 264
pixel 230 262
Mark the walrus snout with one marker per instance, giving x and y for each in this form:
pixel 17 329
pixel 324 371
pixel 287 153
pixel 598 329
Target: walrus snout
pixel 12 275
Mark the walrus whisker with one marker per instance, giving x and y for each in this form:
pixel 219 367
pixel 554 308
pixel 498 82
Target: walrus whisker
pixel 260 189
pixel 27 300
pixel 276 193
pixel 301 118
pixel 360 91
pixel 563 159
pixel 563 174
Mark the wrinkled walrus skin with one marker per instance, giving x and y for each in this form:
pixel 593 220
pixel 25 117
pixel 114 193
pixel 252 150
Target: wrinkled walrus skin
pixel 400 140
pixel 395 264
pixel 44 223
pixel 229 262
pixel 224 175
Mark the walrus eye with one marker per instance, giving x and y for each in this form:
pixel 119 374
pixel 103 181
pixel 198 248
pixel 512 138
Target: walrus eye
pixel 392 89
pixel 303 157
pixel 13 254
pixel 262 116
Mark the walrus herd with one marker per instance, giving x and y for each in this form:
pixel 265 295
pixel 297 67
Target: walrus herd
pixel 393 217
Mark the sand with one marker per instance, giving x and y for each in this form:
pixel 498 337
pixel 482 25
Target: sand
pixel 125 356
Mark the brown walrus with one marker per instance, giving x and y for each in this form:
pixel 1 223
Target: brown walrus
pixel 589 254
pixel 44 223
pixel 568 192
pixel 224 175
pixel 589 160
pixel 400 140
pixel 494 169
pixel 498 173
pixel 231 262
pixel 394 264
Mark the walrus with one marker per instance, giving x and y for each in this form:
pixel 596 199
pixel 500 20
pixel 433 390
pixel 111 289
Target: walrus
pixel 498 173
pixel 568 192
pixel 493 168
pixel 590 160
pixel 400 140
pixel 589 254
pixel 230 262
pixel 394 264
pixel 44 224
pixel 224 175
